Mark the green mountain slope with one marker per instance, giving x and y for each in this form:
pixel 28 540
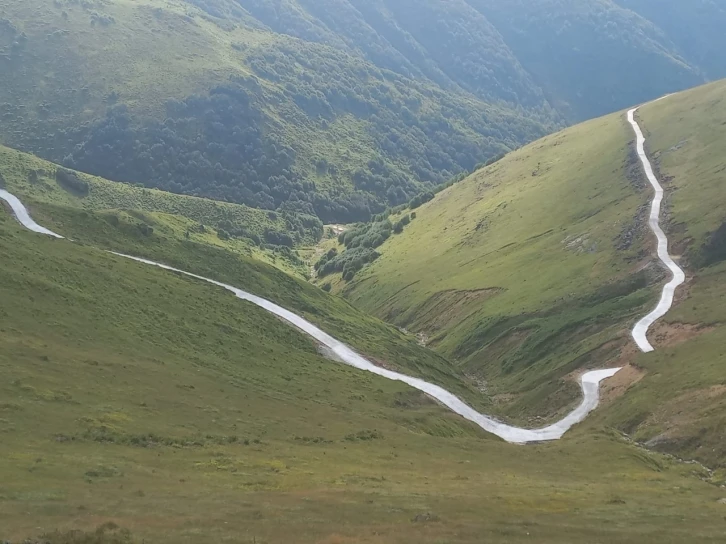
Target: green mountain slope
pixel 157 225
pixel 585 58
pixel 166 95
pixel 265 235
pixel 134 396
pixel 335 108
pixel 593 57
pixel 679 405
pixel 695 27
pixel 536 267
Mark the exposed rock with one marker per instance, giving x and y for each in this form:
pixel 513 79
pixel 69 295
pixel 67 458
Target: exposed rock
pixel 627 236
pixel 580 244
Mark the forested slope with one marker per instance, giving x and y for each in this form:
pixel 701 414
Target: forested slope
pixel 333 108
pixel 166 95
pixel 697 28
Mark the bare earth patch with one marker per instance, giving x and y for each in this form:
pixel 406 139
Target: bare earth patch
pixel 622 381
pixel 664 334
pixel 616 386
pixel 671 334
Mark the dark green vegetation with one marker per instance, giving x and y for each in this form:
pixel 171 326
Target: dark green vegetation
pixel 585 58
pixel 222 107
pixel 167 406
pixel 595 56
pixel 359 243
pixel 696 28
pixel 535 268
pixel 334 108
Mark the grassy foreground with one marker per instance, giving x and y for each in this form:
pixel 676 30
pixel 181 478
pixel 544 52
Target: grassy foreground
pixel 131 395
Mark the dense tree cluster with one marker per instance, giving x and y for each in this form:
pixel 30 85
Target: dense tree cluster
pixel 348 262
pixel 71 181
pixel 370 235
pixel 220 145
pixel 360 243
pixel 209 146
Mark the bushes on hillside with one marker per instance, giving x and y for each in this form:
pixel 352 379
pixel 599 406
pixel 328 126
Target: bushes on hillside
pixel 418 200
pixel 349 262
pixel 279 238
pixel 329 256
pixel 71 181
pixel 360 243
pixel 401 224
pixel 714 250
pixel 370 235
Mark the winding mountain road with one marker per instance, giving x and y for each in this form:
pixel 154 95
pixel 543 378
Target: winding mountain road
pixel 590 381
pixel 640 331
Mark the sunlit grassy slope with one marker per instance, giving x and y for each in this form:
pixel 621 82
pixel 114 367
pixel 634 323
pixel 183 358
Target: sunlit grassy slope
pixel 166 405
pixel 537 266
pixel 35 179
pixel 680 405
pixel 517 263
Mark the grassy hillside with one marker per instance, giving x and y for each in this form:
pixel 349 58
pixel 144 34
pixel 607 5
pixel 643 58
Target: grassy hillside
pixel 535 268
pixel 520 261
pixel 679 405
pixel 131 395
pixel 264 235
pixel 101 219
